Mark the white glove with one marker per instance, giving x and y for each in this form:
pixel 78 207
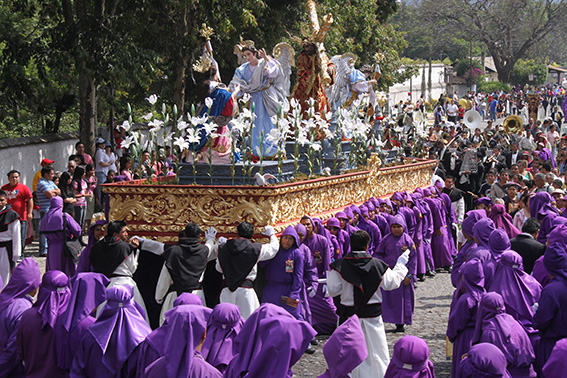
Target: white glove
pixel 427 241
pixel 221 240
pixel 455 227
pixel 404 257
pixel 535 307
pixel 269 231
pixel 311 292
pixel 211 233
pixel 327 295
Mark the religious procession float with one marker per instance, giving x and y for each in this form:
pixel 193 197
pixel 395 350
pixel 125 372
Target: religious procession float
pixel 260 151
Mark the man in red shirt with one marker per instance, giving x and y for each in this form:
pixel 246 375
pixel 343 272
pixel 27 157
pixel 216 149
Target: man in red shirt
pixel 20 198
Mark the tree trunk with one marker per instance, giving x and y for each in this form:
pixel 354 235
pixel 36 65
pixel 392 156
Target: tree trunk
pixel 87 113
pixel 179 85
pixel 429 81
pixel 423 82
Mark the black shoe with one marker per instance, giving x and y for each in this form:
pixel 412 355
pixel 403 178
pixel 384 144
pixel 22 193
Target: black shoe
pixel 400 328
pixel 43 254
pixel 314 342
pixel 421 277
pixel 448 269
pixel 310 350
pixel 431 273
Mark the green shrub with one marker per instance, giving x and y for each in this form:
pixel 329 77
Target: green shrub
pixel 492 86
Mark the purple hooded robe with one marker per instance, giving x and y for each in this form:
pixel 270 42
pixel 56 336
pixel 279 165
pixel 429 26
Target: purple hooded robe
pixel 344 235
pixel 421 266
pixel 345 349
pixel 410 359
pixel 35 338
pixel 84 264
pixel 370 227
pixel 186 327
pixel 555 365
pixel 284 276
pixel 109 347
pixel 440 246
pixel 471 219
pixel 310 276
pixel 276 345
pixel 14 301
pixel 323 310
pixel 462 318
pixel 51 226
pixel 225 323
pixel 88 292
pixel 498 242
pixel 398 305
pixel 551 316
pixel 542 209
pixel 483 360
pixel 503 220
pixel 496 327
pixel 482 231
pixel 519 290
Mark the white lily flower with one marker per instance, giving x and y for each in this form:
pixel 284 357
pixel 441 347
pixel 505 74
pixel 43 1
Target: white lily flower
pixel 246 113
pixel 168 138
pixel 128 141
pixel 155 125
pixel 152 99
pixel 208 102
pixel 316 146
pixel 193 136
pixel 148 116
pixel 196 121
pixel 302 138
pixel 181 143
pixel 182 125
pixel 125 126
pixel 163 109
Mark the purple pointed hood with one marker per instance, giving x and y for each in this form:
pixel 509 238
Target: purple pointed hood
pixel 555 261
pixel 300 229
pixel 472 218
pixel 348 213
pixel 484 360
pixel 498 242
pixel 53 219
pixel 188 299
pixel 484 201
pixel 370 206
pixel 472 279
pixel 345 349
pixel 482 230
pixel 410 359
pixel 540 205
pixel 558 235
pixel 53 297
pixel 119 328
pixel 519 289
pixel 272 356
pixel 333 222
pixel 225 323
pixel 26 277
pixel 503 220
pixel 489 306
pixel 399 220
pixel 186 327
pixel 89 292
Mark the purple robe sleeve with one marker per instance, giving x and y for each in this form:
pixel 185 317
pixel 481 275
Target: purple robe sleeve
pixel 546 312
pixel 381 251
pixel 78 367
pixel 73 227
pixel 297 278
pixel 9 359
pixel 310 276
pixel 326 253
pixel 460 316
pixel 412 262
pixel 336 248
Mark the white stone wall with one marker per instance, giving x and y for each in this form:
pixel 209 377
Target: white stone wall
pixel 26 158
pixel 400 91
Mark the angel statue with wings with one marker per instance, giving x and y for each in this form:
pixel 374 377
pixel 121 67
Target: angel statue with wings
pixel 350 82
pixel 267 81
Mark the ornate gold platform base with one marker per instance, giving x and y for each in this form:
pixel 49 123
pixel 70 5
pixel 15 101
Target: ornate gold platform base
pixel 161 211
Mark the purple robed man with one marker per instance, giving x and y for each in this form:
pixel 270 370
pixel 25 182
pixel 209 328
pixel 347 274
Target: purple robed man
pixel 410 359
pixel 559 236
pixel 451 220
pixel 323 310
pixel 551 315
pixel 338 237
pixel 519 290
pixel 52 227
pixel 398 305
pixel 345 349
pixel 277 344
pixel 319 228
pixel 483 360
pixel 225 323
pixel 440 246
pixel 471 219
pixel 428 230
pixel 153 347
pixel 310 276
pixel 185 336
pixel 420 223
pixel 284 274
pixel 362 224
pixel 35 338
pixel 88 292
pixel 462 318
pixel 496 327
pixel 345 231
pixel 498 242
pixel 555 365
pixel 503 220
pixel 84 264
pixel 15 299
pixel 542 209
pixel 482 231
pixel 109 347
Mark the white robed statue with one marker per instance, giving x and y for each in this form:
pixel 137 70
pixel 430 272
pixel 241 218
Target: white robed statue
pixel 267 81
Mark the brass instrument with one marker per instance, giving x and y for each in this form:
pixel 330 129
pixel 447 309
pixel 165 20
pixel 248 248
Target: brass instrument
pixel 512 124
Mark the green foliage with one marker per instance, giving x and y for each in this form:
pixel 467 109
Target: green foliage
pixel 524 68
pixel 492 86
pixel 464 65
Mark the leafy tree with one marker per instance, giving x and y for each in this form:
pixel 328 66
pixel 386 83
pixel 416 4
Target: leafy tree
pixel 529 72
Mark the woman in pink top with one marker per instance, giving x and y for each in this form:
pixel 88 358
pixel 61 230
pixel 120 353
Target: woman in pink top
pixel 553 138
pixel 81 194
pixel 125 164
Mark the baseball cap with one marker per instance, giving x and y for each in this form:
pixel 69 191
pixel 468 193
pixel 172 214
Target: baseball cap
pixel 100 140
pixel 46 161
